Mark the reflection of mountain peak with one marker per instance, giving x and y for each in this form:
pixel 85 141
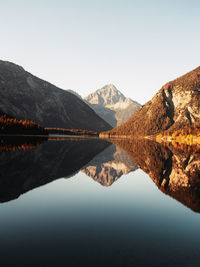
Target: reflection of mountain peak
pixel 109 166
pixel 22 171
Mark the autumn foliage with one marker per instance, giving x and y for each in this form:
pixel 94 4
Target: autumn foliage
pixel 12 126
pixel 15 143
pixel 62 131
pixel 183 133
pixel 186 139
pixel 193 130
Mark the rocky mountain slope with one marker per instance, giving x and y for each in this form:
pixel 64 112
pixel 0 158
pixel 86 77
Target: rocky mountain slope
pixel 109 165
pixel 177 104
pixel 25 96
pixel 111 105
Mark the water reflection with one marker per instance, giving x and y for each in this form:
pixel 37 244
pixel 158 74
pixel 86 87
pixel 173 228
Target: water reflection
pixel 23 170
pixel 13 143
pixel 175 170
pixel 108 166
pixel 27 164
pixel 77 222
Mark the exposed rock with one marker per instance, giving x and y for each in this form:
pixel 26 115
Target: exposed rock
pixel 25 96
pixel 110 104
pixel 177 104
pixel 108 166
pixel 175 172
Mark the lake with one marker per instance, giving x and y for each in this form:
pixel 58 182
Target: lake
pixel 90 202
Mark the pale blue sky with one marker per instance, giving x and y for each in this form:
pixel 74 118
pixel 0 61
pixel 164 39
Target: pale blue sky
pixel 84 44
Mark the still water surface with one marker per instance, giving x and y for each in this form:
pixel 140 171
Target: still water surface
pixel 113 216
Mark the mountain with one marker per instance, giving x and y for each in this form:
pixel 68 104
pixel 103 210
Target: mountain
pixel 111 105
pixel 75 93
pixel 109 165
pixel 25 96
pixel 177 104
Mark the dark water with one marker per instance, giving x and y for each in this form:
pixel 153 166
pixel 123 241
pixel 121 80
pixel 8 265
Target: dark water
pixel 86 203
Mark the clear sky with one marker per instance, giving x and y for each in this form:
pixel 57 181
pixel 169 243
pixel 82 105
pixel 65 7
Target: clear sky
pixel 138 45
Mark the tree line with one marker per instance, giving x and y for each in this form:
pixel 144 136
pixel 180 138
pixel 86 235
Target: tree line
pixel 12 126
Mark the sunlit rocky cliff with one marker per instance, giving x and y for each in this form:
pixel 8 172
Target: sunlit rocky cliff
pixel 111 105
pixel 177 104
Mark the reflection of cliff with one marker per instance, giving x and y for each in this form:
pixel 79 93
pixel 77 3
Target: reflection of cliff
pixel 109 165
pixel 175 172
pixel 22 171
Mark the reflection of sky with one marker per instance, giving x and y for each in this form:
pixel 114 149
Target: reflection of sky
pixel 77 220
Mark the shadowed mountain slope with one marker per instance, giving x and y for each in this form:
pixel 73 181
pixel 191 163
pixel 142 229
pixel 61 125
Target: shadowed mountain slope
pixel 24 96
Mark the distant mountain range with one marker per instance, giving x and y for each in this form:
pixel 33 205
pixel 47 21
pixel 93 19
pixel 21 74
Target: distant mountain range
pixel 24 96
pixel 111 105
pixel 176 105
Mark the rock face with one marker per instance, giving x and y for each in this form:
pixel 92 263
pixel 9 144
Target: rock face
pixel 25 96
pixel 177 104
pixel 108 166
pixel 111 105
pixel 174 171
